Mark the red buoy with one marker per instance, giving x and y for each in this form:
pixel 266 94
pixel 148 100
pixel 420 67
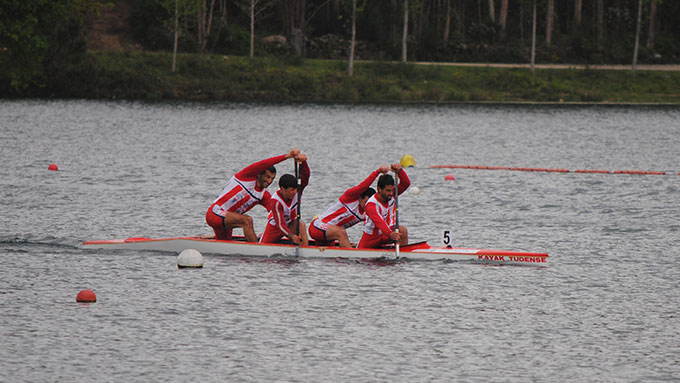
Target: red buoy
pixel 86 296
pixel 449 177
pixel 53 167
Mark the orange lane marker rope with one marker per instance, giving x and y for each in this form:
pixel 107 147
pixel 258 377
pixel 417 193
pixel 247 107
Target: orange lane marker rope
pixel 549 170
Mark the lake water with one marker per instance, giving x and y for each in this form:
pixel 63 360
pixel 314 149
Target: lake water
pixel 604 309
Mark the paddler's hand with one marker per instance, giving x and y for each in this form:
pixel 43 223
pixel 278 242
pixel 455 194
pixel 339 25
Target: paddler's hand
pixel 301 158
pixel 293 153
pixel 396 168
pixel 296 239
pixel 395 236
pixel 383 169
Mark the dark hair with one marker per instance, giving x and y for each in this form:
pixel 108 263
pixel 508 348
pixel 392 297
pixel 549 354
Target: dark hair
pixel 385 180
pixel 368 193
pixel 271 169
pixel 287 181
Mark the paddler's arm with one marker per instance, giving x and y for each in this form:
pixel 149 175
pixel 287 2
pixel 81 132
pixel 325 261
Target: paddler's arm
pixel 353 194
pixel 250 172
pixel 305 172
pixel 279 218
pixel 404 181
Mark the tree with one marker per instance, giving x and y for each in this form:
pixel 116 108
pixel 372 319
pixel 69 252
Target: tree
pixel 652 25
pixel 350 69
pixel 549 18
pixel 637 34
pixel 41 41
pixel 254 8
pixel 181 10
pixel 404 36
pixel 578 5
pixel 533 38
pixel 503 17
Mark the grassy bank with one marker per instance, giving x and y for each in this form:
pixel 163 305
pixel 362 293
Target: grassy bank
pixel 277 79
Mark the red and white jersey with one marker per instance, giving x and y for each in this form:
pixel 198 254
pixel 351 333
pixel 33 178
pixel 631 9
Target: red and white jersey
pixel 341 214
pixel 282 213
pixel 239 197
pixel 381 223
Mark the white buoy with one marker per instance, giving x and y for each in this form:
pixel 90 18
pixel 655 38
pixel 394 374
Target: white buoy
pixel 414 190
pixel 190 258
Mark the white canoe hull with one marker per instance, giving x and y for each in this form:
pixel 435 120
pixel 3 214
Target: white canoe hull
pixel 417 251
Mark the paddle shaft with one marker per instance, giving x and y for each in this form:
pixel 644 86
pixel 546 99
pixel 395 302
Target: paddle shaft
pixel 297 210
pixel 396 207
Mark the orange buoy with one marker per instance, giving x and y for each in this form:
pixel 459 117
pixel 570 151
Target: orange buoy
pixel 449 177
pixel 86 296
pixel 53 167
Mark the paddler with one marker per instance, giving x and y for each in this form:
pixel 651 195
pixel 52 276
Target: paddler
pixel 345 212
pixel 378 225
pixel 284 207
pixel 244 190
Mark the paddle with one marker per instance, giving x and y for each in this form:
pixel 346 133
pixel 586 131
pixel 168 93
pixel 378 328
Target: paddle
pixel 297 214
pixel 396 206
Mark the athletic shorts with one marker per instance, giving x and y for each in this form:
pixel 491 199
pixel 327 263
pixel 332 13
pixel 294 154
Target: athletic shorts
pixel 271 234
pixel 369 241
pixel 319 235
pixel 217 223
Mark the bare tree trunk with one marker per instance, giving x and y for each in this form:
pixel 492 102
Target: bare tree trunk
pixel 404 36
pixel 210 17
pixel 492 11
pixel 503 17
pixel 447 21
pixel 459 21
pixel 252 28
pixel 600 23
pixel 533 39
pixel 637 35
pixel 350 70
pixel 550 16
pixel 479 11
pixel 174 48
pixel 578 4
pixel 201 25
pixel 652 25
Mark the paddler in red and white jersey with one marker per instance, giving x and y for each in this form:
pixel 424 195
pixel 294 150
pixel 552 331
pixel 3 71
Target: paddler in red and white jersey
pixel 244 190
pixel 345 212
pixel 378 225
pixel 283 208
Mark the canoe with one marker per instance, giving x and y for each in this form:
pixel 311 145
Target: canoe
pixel 238 246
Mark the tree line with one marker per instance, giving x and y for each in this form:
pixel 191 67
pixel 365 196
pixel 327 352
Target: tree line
pixel 568 31
pixel 48 39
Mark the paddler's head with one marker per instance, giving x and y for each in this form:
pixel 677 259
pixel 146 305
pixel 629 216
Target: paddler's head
pixel 287 186
pixel 266 178
pixel 385 187
pixel 365 196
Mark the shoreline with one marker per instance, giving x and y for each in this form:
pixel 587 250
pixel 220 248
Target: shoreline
pixel 275 79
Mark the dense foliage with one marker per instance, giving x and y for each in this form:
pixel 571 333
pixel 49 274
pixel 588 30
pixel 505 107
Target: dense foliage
pixel 579 31
pixel 43 45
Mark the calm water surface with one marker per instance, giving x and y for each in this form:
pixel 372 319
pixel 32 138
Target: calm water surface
pixel 605 309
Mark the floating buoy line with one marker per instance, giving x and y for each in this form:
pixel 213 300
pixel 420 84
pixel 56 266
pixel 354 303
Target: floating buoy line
pixel 550 170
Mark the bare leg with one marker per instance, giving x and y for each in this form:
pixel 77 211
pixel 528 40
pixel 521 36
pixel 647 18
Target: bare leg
pixel 304 240
pixel 339 234
pixel 303 234
pixel 243 221
pixel 403 233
